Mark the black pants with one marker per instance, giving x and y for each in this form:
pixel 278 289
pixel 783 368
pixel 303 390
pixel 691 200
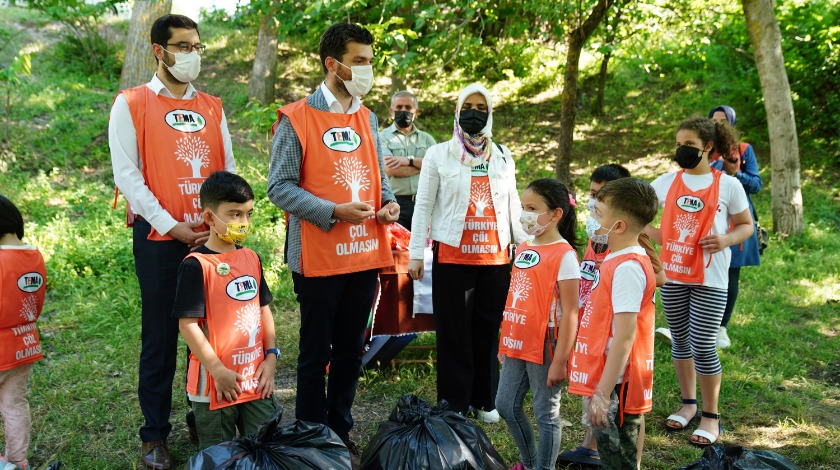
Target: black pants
pixel 156 264
pixel 731 295
pixel 468 302
pixel 334 311
pixel 406 210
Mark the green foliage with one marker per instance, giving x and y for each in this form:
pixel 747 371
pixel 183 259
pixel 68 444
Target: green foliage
pixel 84 44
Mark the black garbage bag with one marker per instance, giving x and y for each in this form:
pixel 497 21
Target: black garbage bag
pixel 729 457
pixel 297 445
pixel 417 436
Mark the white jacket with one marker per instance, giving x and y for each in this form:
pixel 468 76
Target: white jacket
pixel 443 196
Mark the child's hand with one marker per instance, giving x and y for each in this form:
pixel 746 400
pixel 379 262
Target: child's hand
pixel 715 243
pixel 265 375
pixel 556 374
pixel 599 408
pixel 501 358
pixel 227 385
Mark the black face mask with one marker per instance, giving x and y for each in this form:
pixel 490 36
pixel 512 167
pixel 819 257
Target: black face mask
pixel 403 119
pixel 472 121
pixel 688 157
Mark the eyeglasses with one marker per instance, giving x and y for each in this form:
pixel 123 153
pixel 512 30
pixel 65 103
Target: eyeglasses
pixel 186 47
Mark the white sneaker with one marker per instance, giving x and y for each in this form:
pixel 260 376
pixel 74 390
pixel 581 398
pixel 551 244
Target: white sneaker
pixel 664 334
pixel 723 341
pixel 491 416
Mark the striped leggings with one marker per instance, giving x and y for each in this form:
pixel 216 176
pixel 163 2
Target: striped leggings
pixel 694 314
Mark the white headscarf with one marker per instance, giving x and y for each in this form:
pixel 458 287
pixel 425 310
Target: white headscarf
pixel 477 88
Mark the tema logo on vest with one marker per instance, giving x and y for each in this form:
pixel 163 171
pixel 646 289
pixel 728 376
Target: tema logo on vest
pixel 690 203
pixel 30 282
pixel 587 270
pixel 342 139
pixel 185 121
pixel 527 259
pixel 242 288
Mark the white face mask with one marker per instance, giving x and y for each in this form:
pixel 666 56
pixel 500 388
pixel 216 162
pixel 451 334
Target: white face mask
pixel 362 80
pixel 591 204
pixel 531 225
pixel 592 226
pixel 187 66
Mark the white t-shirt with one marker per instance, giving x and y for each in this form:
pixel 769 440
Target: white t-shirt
pixel 569 269
pixel 731 200
pixel 627 294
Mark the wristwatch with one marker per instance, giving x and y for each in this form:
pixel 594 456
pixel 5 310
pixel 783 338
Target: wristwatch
pixel 410 161
pixel 274 351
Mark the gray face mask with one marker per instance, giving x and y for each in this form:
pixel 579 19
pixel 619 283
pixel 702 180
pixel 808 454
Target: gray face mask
pixel 592 226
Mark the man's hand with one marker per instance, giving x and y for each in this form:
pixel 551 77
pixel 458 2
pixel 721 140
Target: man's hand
pixel 353 212
pixel 183 232
pixel 265 375
pixel 227 384
pixel 388 214
pixel 394 162
pixel 556 374
pixel 415 269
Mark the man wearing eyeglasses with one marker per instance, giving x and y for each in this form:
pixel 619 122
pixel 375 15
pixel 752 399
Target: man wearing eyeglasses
pixel 166 138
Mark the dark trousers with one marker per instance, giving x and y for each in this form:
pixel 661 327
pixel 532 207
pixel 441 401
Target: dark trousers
pixel 731 295
pixel 406 210
pixel 468 302
pixel 156 264
pixel 334 312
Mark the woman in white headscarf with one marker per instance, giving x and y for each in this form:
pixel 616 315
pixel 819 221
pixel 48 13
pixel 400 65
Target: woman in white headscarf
pixel 467 196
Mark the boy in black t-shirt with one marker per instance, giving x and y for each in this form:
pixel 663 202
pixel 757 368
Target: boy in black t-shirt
pixel 222 306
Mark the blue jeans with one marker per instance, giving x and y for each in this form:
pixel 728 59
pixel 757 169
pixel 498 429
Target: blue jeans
pixel 517 377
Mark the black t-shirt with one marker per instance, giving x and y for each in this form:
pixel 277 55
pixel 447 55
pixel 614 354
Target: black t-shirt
pixel 189 294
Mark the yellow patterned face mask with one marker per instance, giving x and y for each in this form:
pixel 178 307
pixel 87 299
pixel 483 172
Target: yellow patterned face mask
pixel 236 232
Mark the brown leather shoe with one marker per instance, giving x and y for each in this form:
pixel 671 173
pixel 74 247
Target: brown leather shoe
pixel 156 455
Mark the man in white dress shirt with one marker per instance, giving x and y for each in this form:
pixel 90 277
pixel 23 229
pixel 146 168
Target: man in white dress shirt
pixel 166 138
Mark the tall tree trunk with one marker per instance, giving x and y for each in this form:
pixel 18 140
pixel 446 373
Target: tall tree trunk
pixel 602 84
pixel 766 40
pixel 140 64
pixel 264 71
pixel 610 39
pixel 576 40
pixel 397 82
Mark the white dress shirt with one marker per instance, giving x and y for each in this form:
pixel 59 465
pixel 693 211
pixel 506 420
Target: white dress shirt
pixel 335 106
pixel 127 165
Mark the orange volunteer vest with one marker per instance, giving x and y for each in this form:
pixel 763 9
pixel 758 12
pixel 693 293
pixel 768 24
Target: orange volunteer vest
pixel 480 239
pixel 180 146
pixel 22 280
pixel 233 323
pixel 588 273
pixel 533 286
pixel 340 165
pixel 588 359
pixel 687 217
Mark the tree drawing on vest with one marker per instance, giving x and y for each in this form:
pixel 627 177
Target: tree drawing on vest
pixel 587 314
pixel 248 321
pixel 480 196
pixel 194 152
pixel 520 287
pixel 687 225
pixel 29 311
pixel 351 174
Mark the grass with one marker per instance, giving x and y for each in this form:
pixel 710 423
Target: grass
pixel 781 387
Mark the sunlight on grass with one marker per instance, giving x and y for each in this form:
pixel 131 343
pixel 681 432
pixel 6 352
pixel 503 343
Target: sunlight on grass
pixel 821 291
